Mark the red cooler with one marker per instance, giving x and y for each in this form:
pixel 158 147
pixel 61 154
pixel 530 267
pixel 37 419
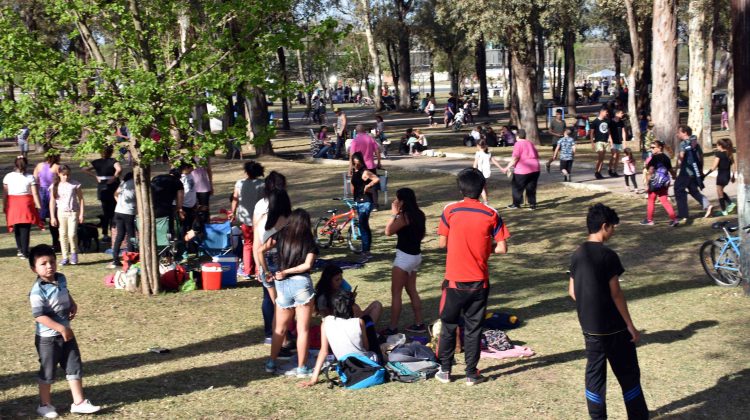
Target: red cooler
pixel 211 276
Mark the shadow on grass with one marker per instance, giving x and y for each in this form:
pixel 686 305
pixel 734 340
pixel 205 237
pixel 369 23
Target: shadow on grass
pixel 658 337
pixel 130 361
pixel 723 400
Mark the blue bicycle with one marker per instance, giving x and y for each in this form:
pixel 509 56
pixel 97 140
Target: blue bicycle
pixel 721 257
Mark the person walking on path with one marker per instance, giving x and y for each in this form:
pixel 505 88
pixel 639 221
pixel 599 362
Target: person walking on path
pixel 341 132
pixel 657 181
pixel 44 174
pixel 370 150
pixel 363 183
pixel 467 229
pixel 690 166
pixel 23 141
pixel 608 331
pixel 429 109
pixel 600 140
pixel 557 131
pixel 566 150
pixel 629 170
pixel 483 160
pixel 247 193
pixel 618 134
pixel 723 163
pixel 524 164
pixel 106 171
pixel 66 207
pixel 21 205
pixel 408 223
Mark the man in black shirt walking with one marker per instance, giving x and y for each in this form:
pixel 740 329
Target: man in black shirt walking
pixel 608 331
pixel 600 140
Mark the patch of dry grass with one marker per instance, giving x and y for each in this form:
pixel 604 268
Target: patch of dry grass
pixel 693 356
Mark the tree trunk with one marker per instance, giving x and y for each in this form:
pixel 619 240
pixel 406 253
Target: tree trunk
pixel 432 76
pixel 404 72
pixel 618 63
pixel 664 72
pixel 514 116
pixel 643 100
pixel 259 122
pixel 374 54
pixel 146 231
pixel 540 72
pixel 480 54
pixel 635 69
pixel 455 81
pixel 284 98
pixel 553 80
pixel 708 88
pixel 700 32
pixel 569 55
pixel 524 80
pixel 393 63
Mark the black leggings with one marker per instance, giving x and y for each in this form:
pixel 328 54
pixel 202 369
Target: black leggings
pixel 632 179
pixel 525 182
pixel 107 198
pixel 22 231
pixel 125 224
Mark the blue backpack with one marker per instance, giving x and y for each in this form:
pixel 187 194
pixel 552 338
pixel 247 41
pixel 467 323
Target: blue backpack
pixel 660 179
pixel 356 371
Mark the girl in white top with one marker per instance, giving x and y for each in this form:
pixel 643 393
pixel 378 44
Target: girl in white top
pixel 628 169
pixel 483 161
pixel 21 205
pixel 67 197
pixel 342 331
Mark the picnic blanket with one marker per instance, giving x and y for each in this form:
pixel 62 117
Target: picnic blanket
pixel 320 263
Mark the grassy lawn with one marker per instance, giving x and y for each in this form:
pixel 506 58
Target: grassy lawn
pixel 693 355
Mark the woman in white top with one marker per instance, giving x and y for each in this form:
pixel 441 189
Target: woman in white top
pixel 483 161
pixel 124 218
pixel 344 332
pixel 21 205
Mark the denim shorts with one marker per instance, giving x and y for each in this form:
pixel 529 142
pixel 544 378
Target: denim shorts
pixel 618 147
pixel 54 351
pixel 294 291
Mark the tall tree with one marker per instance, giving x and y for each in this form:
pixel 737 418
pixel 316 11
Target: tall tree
pixel 636 67
pixel 701 70
pixel 664 71
pixel 480 59
pixel 374 52
pixel 403 7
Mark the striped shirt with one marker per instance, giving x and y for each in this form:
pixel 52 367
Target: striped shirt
pixel 51 299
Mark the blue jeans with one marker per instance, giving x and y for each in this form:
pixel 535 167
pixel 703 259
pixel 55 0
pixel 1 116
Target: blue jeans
pixel 363 210
pixel 267 307
pixel 323 153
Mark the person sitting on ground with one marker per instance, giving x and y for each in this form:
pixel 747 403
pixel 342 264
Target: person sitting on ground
pixel 330 283
pixel 417 143
pixel 321 146
pixel 490 136
pixel 343 332
pixel 507 137
pixel 403 147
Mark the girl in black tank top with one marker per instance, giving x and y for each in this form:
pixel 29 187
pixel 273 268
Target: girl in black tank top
pixel 362 183
pixel 723 165
pixel 408 223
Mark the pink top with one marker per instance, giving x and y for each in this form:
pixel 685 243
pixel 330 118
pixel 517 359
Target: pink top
pixel 628 167
pixel 367 146
pixel 528 157
pixel 200 176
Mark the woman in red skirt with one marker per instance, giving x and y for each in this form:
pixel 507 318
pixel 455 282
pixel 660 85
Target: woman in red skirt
pixel 21 205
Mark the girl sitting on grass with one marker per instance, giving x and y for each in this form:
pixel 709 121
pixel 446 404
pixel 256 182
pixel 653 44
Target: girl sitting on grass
pixel 331 282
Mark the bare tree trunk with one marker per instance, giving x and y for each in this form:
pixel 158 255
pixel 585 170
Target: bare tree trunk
pixel 404 73
pixel 553 80
pixel 374 54
pixel 480 54
pixel 524 80
pixel 707 91
pixel 303 80
pixel 636 68
pixel 539 73
pixel 455 81
pixel 146 231
pixel 664 72
pixel 259 122
pixel 700 31
pixel 432 76
pixel 569 55
pixel 285 80
pixel 393 63
pixel 513 112
pixel 618 63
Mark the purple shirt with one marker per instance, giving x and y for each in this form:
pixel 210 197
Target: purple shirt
pixel 367 146
pixel 528 157
pixel 200 176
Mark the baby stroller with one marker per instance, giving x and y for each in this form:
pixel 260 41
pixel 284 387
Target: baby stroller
pixel 458 120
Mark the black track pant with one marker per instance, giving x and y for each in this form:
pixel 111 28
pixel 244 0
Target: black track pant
pixel 521 183
pixel 622 357
pixel 469 299
pixel 22 233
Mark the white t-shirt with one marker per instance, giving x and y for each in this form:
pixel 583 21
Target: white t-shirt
pixel 260 213
pixel 483 163
pixel 344 335
pixel 18 183
pixel 476 135
pixel 126 198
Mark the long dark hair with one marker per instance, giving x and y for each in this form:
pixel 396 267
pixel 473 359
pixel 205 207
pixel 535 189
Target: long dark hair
pixel 279 205
pixel 410 208
pixel 295 240
pixel 360 157
pixel 273 181
pixel 324 287
pixel 64 169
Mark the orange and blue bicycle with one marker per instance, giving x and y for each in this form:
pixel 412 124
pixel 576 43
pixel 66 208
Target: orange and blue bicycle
pixel 328 229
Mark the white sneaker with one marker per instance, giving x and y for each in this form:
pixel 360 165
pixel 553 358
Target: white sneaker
pixel 47 411
pixel 84 407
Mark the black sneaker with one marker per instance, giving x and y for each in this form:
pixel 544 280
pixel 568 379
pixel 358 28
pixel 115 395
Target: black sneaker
pixel 565 178
pixel 285 354
pixel 614 174
pixel 476 379
pixel 416 328
pixel 512 206
pixel 532 207
pixel 388 332
pixel 598 175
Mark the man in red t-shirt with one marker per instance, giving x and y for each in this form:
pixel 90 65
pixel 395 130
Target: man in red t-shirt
pixel 467 228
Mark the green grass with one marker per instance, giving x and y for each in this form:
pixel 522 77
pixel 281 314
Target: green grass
pixel 693 356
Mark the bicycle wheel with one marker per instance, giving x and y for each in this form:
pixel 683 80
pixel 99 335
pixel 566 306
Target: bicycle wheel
pixel 323 233
pixel 354 237
pixel 708 253
pixel 728 267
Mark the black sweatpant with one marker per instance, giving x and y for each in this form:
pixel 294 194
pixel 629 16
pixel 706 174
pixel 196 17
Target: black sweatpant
pixel 22 232
pixel 622 357
pixel 680 195
pixel 125 224
pixel 629 179
pixel 521 183
pixel 469 299
pixel 106 193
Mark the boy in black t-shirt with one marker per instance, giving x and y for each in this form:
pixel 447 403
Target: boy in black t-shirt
pixel 608 331
pixel 600 140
